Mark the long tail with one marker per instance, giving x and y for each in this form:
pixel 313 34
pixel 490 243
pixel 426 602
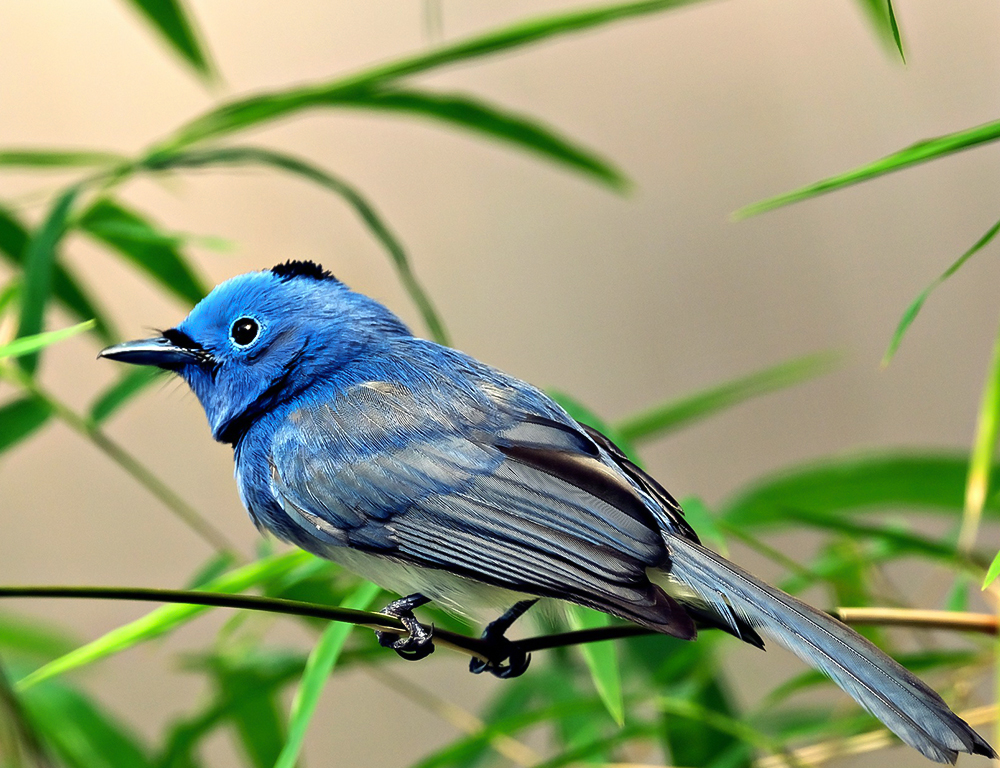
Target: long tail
pixel 891 693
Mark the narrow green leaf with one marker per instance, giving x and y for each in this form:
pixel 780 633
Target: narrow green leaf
pixel 9 295
pixel 673 415
pixel 65 287
pixel 602 660
pixel 26 345
pixel 57 158
pixel 984 448
pixel 593 750
pixel 81 732
pixel 855 484
pixel 911 312
pixel 174 24
pixel 993 571
pixel 464 746
pixel 31 637
pixel 244 113
pixel 138 240
pixel 121 392
pixel 253 675
pixel 39 260
pixel 364 209
pixel 475 115
pixel 165 619
pixel 318 668
pixel 883 21
pixel 19 419
pixel 921 152
pixel 905 541
pixel 256 713
pixel 894 26
pixel 13 236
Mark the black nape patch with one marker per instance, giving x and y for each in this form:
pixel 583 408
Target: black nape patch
pixel 309 269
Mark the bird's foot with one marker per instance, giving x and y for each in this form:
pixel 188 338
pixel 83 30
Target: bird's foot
pixel 501 649
pixel 419 641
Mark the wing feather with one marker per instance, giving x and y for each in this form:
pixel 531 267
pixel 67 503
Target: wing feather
pixel 484 488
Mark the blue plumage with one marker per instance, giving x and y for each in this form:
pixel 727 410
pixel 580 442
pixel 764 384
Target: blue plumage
pixel 440 477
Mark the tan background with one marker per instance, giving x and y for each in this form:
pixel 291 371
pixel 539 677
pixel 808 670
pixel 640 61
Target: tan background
pixel 622 301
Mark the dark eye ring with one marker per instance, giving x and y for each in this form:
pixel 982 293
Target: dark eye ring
pixel 244 331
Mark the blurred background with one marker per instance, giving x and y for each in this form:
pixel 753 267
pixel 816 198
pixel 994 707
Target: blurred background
pixel 622 300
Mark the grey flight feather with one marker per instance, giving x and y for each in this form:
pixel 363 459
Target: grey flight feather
pixel 907 706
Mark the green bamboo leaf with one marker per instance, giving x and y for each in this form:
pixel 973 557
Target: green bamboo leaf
pixel 252 676
pixel 932 482
pixel 139 241
pixel 163 620
pixel 318 668
pixel 19 419
pixel 57 158
pixel 9 296
pixel 671 416
pixel 26 345
pixel 65 287
pixel 39 261
pixel 894 27
pixel 364 209
pixel 921 152
pixel 906 542
pixel 984 448
pixel 174 24
pixel 32 638
pixel 911 312
pixel 121 392
pixel 993 572
pixel 883 20
pixel 81 732
pixel 691 671
pixel 468 745
pixel 255 712
pixel 475 115
pixel 602 660
pixel 244 113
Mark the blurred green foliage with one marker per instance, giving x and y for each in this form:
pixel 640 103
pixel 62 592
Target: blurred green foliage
pixel 652 696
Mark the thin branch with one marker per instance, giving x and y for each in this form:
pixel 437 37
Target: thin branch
pixel 923 619
pixel 472 646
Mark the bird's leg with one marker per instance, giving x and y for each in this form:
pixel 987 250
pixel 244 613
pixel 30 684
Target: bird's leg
pixel 419 643
pixel 502 648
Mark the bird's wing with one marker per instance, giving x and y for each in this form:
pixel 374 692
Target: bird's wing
pixel 480 486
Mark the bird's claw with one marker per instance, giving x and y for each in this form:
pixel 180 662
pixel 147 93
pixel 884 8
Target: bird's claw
pixel 516 658
pixel 501 649
pixel 419 641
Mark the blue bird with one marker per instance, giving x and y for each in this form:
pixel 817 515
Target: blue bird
pixel 441 478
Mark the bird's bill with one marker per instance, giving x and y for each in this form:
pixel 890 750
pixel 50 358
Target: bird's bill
pixel 159 351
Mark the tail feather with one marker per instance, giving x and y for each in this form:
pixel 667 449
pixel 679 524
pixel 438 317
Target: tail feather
pixel 890 692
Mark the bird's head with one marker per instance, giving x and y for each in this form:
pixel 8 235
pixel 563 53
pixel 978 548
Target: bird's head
pixel 260 338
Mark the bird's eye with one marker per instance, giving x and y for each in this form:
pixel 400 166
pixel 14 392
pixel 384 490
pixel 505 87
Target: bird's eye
pixel 244 331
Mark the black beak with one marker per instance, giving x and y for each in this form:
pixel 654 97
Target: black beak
pixel 159 351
